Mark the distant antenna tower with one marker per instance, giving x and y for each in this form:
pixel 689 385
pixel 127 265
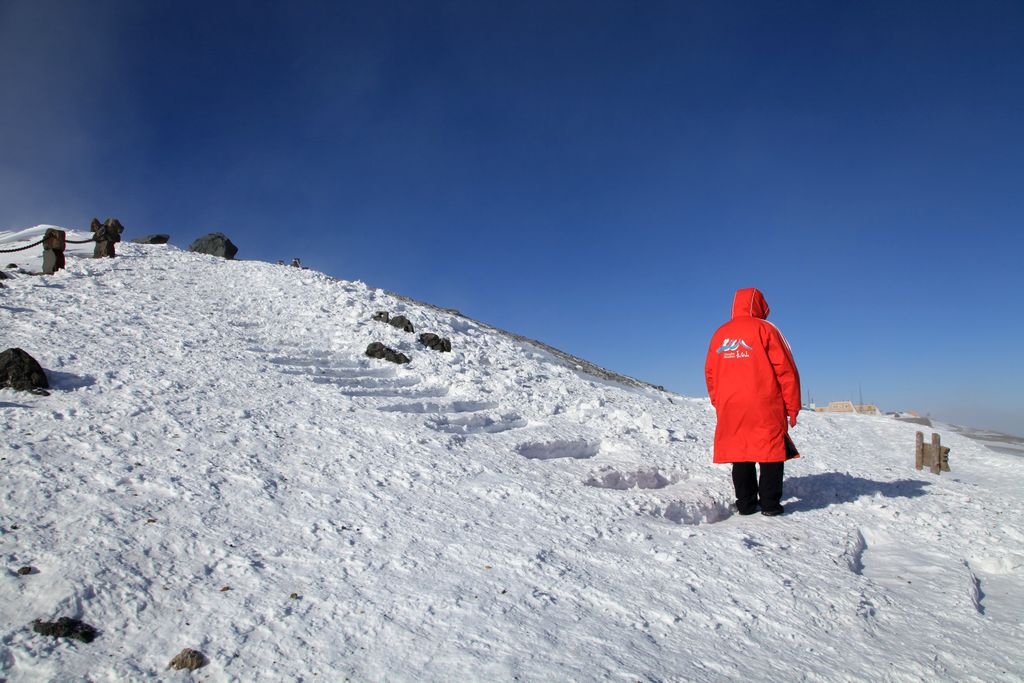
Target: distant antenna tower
pixel 860 395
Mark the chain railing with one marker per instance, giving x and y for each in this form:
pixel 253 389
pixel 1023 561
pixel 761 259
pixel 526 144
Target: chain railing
pixel 55 240
pixel 34 244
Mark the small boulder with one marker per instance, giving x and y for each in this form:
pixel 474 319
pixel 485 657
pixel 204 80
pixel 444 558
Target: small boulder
pixel 402 323
pixel 65 627
pixel 26 571
pixel 114 227
pixel 432 341
pixel 215 244
pixel 188 659
pixel 378 350
pixel 381 316
pixel 20 371
pixel 152 239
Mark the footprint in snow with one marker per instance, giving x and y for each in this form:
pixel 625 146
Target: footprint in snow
pixel 440 408
pixel 643 478
pixel 343 373
pixel 693 512
pixel 915 573
pixel 309 360
pixel 367 382
pixel 476 423
pixel 397 391
pixel 551 450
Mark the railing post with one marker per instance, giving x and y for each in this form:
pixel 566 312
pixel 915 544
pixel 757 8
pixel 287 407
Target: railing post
pixel 107 234
pixel 53 250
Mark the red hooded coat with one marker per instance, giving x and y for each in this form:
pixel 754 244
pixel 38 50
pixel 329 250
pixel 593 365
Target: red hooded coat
pixel 753 384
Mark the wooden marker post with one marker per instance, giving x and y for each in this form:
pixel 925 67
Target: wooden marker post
pixel 934 455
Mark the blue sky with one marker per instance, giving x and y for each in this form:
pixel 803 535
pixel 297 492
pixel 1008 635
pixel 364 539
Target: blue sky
pixel 601 176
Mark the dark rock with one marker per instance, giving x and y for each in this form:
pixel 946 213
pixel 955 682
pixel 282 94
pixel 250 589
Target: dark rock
pixel 20 371
pixel 66 627
pixel 432 341
pixel 3 275
pixel 381 316
pixel 215 244
pixel 12 266
pixel 105 235
pixel 114 228
pixel 402 323
pixel 378 350
pixel 159 238
pixel 188 659
pixel 25 571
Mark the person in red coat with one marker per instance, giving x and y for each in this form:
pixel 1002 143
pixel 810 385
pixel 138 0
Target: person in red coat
pixel 755 389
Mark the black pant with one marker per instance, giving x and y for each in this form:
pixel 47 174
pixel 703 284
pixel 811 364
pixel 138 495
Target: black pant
pixel 750 492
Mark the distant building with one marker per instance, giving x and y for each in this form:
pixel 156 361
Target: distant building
pixel 849 407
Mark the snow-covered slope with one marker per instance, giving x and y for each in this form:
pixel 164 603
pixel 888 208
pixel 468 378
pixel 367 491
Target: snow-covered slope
pixel 220 467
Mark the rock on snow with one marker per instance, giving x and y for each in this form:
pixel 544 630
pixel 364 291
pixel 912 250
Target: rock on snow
pixel 485 514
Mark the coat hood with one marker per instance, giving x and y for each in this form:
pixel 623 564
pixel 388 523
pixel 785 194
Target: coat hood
pixel 749 302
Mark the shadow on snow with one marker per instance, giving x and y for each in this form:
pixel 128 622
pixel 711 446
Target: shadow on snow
pixel 68 381
pixel 4 404
pixel 817 491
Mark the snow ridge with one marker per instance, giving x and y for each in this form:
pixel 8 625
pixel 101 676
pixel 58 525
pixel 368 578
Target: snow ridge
pixel 220 467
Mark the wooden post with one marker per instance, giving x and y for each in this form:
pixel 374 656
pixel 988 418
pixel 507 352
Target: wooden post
pixel 936 459
pixel 934 454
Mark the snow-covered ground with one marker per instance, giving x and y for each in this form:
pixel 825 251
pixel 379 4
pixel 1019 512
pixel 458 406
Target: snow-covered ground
pixel 220 467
